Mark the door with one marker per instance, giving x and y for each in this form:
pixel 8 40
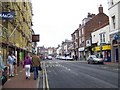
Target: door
pixel 116 55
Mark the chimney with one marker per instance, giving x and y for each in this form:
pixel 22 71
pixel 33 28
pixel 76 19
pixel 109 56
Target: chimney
pixel 89 15
pixel 100 9
pixel 79 25
pixel 93 15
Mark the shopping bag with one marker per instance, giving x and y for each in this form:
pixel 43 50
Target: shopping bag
pixel 39 68
pixel 3 79
pixel 31 68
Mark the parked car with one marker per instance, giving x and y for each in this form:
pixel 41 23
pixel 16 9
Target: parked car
pixel 94 59
pixel 57 57
pixel 66 58
pixel 69 58
pixel 62 57
pixel 49 57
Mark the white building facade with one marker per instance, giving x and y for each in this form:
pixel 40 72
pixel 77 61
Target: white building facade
pixel 101 37
pixel 114 19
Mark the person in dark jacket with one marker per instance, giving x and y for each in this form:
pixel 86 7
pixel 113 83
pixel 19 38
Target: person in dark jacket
pixel 27 65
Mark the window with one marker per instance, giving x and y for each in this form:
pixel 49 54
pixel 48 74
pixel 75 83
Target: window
pixel 102 38
pixel 82 31
pixel 80 40
pixel 113 21
pixel 112 2
pixel 24 4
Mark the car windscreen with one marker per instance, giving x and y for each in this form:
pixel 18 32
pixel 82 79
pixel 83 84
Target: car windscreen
pixel 93 56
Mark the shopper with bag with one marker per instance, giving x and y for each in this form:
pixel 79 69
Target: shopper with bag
pixel 27 65
pixel 36 64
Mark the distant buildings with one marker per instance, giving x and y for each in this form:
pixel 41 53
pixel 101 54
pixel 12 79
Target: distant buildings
pixel 41 50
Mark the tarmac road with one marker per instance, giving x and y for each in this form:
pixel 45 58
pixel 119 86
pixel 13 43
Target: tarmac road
pixel 76 74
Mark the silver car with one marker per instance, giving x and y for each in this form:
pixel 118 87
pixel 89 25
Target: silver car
pixel 49 57
pixel 94 59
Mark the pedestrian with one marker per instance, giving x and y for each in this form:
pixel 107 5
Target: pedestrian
pixel 1 68
pixel 36 64
pixel 101 55
pixel 73 57
pixel 1 62
pixel 15 64
pixel 76 57
pixel 10 61
pixel 27 65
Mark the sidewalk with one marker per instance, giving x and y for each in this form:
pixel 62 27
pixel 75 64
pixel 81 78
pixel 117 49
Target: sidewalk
pixel 111 64
pixel 19 81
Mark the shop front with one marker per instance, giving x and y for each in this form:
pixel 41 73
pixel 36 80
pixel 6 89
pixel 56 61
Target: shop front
pixel 81 53
pixel 115 47
pixel 105 50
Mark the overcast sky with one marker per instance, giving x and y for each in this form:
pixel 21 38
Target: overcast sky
pixel 56 20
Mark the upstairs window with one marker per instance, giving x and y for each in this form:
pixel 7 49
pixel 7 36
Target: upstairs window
pixel 113 21
pixel 112 2
pixel 82 31
pixel 102 38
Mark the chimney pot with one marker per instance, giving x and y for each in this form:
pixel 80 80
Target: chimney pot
pixel 100 9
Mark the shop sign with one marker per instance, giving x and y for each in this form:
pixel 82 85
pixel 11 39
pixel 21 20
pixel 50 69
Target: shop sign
pixel 93 49
pixel 106 47
pixel 7 15
pixel 97 48
pixel 35 38
pixel 116 37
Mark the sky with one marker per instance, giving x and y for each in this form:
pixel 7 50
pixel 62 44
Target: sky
pixel 56 20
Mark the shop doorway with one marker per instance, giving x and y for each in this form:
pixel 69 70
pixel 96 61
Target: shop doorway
pixel 116 54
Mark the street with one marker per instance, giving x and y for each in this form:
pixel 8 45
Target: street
pixel 78 74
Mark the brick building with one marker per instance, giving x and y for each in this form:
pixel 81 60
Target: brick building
pixel 90 24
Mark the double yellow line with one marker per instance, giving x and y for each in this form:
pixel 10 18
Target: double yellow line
pixel 45 79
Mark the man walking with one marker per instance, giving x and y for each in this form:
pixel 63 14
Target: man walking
pixel 35 63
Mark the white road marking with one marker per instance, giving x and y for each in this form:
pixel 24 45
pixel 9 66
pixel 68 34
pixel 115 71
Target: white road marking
pixel 116 69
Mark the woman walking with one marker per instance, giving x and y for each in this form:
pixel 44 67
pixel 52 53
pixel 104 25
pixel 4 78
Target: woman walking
pixel 10 61
pixel 27 65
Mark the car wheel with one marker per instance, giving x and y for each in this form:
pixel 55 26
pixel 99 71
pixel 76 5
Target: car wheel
pixel 93 62
pixel 88 62
pixel 102 63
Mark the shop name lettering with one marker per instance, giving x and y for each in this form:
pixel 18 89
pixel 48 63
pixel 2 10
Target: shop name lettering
pixel 6 15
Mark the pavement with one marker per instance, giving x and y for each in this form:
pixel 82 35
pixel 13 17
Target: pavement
pixel 20 81
pixel 112 64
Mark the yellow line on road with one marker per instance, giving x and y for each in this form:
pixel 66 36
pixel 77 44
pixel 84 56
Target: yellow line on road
pixel 43 80
pixel 47 85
